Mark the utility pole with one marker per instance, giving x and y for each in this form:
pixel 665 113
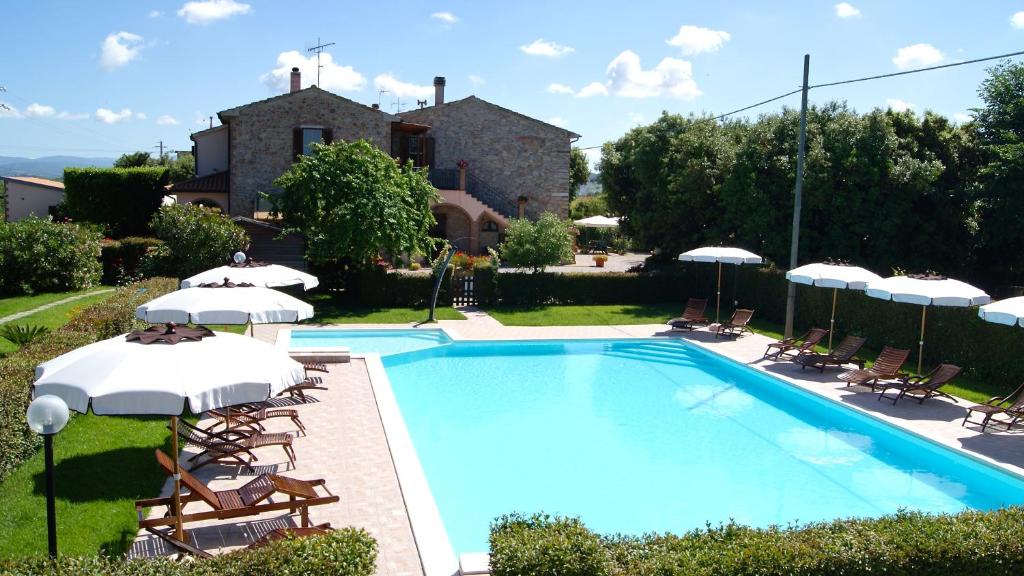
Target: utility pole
pixel 798 193
pixel 160 158
pixel 317 50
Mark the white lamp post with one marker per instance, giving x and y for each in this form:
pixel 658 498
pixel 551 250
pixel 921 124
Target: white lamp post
pixel 47 415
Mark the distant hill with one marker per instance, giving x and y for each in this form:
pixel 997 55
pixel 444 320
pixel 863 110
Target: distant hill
pixel 591 188
pixel 48 166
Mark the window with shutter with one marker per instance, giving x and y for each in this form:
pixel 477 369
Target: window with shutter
pixel 428 152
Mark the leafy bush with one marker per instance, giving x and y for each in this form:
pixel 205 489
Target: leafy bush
pixel 22 334
pixel 970 543
pixel 194 238
pixel 526 289
pixel 534 245
pixel 122 200
pixel 37 255
pixel 122 258
pixel 105 319
pixel 344 552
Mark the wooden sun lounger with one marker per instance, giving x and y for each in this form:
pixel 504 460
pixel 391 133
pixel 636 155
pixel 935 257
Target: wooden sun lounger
pixel 251 417
pixel 886 367
pixel 693 315
pixel 845 353
pixel 737 324
pixel 315 366
pixel 795 346
pixel 229 447
pixel 1011 405
pixel 296 532
pixel 299 390
pixel 252 499
pixel 924 387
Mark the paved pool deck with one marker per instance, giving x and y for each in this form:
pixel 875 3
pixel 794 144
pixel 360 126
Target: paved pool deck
pixel 346 443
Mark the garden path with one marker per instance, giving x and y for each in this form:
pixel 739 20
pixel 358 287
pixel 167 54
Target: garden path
pixel 24 313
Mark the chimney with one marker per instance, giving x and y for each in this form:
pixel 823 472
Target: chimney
pixel 438 90
pixel 296 80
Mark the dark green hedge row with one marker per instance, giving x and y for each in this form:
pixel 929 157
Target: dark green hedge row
pixel 526 289
pixel 121 258
pixel 110 317
pixel 970 543
pixel 344 552
pixel 122 200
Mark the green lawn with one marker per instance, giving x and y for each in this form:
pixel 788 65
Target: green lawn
pixel 16 304
pixel 611 314
pixel 329 311
pixel 52 318
pixel 102 465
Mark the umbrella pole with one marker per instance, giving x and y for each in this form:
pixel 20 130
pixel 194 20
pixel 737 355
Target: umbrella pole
pixel 832 320
pixel 179 532
pixel 920 344
pixel 718 293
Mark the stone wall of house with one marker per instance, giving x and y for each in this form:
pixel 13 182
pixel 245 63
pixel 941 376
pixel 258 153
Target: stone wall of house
pixel 512 153
pixel 262 132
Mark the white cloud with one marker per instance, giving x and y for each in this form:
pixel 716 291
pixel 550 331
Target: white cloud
pixel 332 76
pixel 556 88
pixel 72 115
pixel 898 105
pixel 962 117
pixel 1017 20
pixel 557 121
pixel 155 13
pixel 446 17
pixel 671 77
pixel 108 116
pixel 593 158
pixel 140 115
pixel 120 48
pixel 207 11
pixel 916 56
pixel 541 47
pixel 476 80
pixel 167 120
pixel 592 89
pixel 37 110
pixel 694 39
pixel 847 10
pixel 401 89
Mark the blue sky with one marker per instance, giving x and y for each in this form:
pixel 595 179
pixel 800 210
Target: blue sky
pixel 98 79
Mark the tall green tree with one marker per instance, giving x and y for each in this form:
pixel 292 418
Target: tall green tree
pixel 353 202
pixel 579 171
pixel 536 245
pixel 135 160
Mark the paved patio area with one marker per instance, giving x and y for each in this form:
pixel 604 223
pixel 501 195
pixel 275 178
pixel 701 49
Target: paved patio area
pixel 347 446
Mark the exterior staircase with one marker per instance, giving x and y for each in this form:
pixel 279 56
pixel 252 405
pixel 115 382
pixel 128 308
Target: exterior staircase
pixel 495 201
pixel 266 246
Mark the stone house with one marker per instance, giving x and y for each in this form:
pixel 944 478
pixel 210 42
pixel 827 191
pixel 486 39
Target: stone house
pixel 488 163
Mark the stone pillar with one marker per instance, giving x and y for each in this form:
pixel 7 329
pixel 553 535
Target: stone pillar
pixel 462 178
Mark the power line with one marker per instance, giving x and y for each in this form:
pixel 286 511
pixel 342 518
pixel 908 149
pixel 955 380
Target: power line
pixel 761 103
pixel 915 71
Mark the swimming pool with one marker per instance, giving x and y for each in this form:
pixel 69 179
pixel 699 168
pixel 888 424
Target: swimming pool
pixel 384 342
pixel 636 436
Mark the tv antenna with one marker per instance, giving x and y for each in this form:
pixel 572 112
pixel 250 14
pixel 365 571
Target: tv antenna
pixel 380 93
pixel 421 103
pixel 317 50
pixel 397 103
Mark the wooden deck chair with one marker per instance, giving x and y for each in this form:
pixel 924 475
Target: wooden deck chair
pixel 1011 405
pixel 795 346
pixel 251 417
pixel 886 367
pixel 923 387
pixel 299 390
pixel 295 532
pixel 229 446
pixel 693 315
pixel 844 353
pixel 254 498
pixel 315 367
pixel 737 324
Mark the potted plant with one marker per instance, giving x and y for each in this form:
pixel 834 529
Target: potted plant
pixel 600 259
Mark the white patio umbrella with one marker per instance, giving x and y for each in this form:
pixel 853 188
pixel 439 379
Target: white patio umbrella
pixel 597 222
pixel 220 305
pixel 721 255
pixel 926 291
pixel 268 276
pixel 834 276
pixel 160 370
pixel 1009 312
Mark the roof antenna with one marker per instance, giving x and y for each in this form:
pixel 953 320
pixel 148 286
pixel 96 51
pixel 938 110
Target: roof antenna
pixel 380 93
pixel 318 49
pixel 211 121
pixel 421 103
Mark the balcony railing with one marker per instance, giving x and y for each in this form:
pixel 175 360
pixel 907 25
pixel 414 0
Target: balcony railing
pixel 444 179
pixel 448 179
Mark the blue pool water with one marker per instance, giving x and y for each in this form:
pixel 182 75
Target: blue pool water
pixel 360 341
pixel 653 435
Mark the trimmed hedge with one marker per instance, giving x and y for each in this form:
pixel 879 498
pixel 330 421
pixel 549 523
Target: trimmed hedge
pixel 971 543
pixel 547 288
pixel 121 258
pixel 122 200
pixel 106 319
pixel 344 552
pixel 37 255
